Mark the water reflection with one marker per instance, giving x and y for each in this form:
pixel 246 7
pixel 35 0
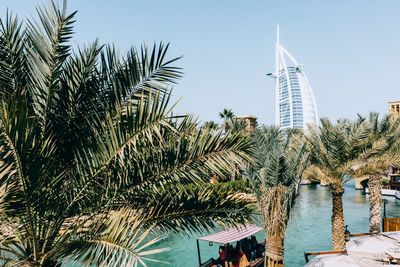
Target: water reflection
pixel 360 196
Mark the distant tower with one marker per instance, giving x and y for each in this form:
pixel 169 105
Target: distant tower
pixel 394 108
pixel 294 99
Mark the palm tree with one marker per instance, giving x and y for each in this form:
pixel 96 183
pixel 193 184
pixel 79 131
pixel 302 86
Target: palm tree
pixel 239 125
pixel 335 149
pixel 88 144
pixel 280 163
pixel 210 125
pixel 227 115
pixel 383 140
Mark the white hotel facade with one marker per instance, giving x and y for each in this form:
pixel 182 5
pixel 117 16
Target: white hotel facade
pixel 295 102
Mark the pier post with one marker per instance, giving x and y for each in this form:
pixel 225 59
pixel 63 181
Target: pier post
pixel 198 252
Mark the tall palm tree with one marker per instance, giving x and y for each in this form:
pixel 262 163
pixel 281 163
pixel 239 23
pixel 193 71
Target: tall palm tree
pixel 383 140
pixel 88 144
pixel 280 163
pixel 227 115
pixel 335 149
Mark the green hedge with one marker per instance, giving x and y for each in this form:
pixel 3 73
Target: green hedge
pixel 235 186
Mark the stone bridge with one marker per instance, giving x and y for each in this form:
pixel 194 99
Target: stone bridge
pixel 361 182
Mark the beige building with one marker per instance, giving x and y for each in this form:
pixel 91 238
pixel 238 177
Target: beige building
pixel 251 122
pixel 394 108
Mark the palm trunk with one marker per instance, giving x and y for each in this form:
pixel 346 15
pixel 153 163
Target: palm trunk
pixel 275 219
pixel 273 263
pixel 338 241
pixel 375 203
pixel 274 250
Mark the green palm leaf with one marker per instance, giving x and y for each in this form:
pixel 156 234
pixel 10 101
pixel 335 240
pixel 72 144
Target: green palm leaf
pixel 13 74
pixel 50 49
pixel 119 241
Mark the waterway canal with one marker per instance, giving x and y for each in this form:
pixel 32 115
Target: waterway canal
pixel 309 230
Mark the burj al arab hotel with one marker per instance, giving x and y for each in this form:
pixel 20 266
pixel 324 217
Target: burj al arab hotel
pixel 295 102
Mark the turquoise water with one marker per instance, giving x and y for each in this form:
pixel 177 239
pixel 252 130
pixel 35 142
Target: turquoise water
pixel 309 229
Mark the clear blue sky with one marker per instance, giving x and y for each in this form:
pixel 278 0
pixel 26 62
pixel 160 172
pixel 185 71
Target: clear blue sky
pixel 351 48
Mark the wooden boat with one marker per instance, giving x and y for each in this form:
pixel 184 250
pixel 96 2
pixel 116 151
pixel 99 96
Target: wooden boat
pixel 225 237
pixel 393 187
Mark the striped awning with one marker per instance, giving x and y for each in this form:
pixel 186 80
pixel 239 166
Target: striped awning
pixel 233 234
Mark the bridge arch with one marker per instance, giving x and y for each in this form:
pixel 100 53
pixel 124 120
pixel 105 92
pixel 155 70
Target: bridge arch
pixel 361 182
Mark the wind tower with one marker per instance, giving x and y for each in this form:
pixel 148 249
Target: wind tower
pixel 295 105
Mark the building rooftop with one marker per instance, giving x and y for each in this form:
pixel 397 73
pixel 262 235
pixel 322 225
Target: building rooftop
pixel 246 116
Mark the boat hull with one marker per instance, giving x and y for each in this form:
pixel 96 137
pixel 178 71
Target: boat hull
pixel 387 192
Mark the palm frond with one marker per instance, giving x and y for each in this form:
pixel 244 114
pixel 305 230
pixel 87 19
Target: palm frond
pixel 138 74
pixel 380 151
pixel 13 74
pixel 49 40
pixel 119 241
pixel 337 147
pixel 197 209
pixel 192 159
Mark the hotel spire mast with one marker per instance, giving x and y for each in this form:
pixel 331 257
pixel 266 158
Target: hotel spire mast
pixel 277 71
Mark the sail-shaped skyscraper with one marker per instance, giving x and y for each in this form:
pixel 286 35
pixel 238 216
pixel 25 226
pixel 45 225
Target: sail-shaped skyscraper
pixel 295 102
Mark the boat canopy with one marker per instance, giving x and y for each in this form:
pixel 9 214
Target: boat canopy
pixel 233 234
